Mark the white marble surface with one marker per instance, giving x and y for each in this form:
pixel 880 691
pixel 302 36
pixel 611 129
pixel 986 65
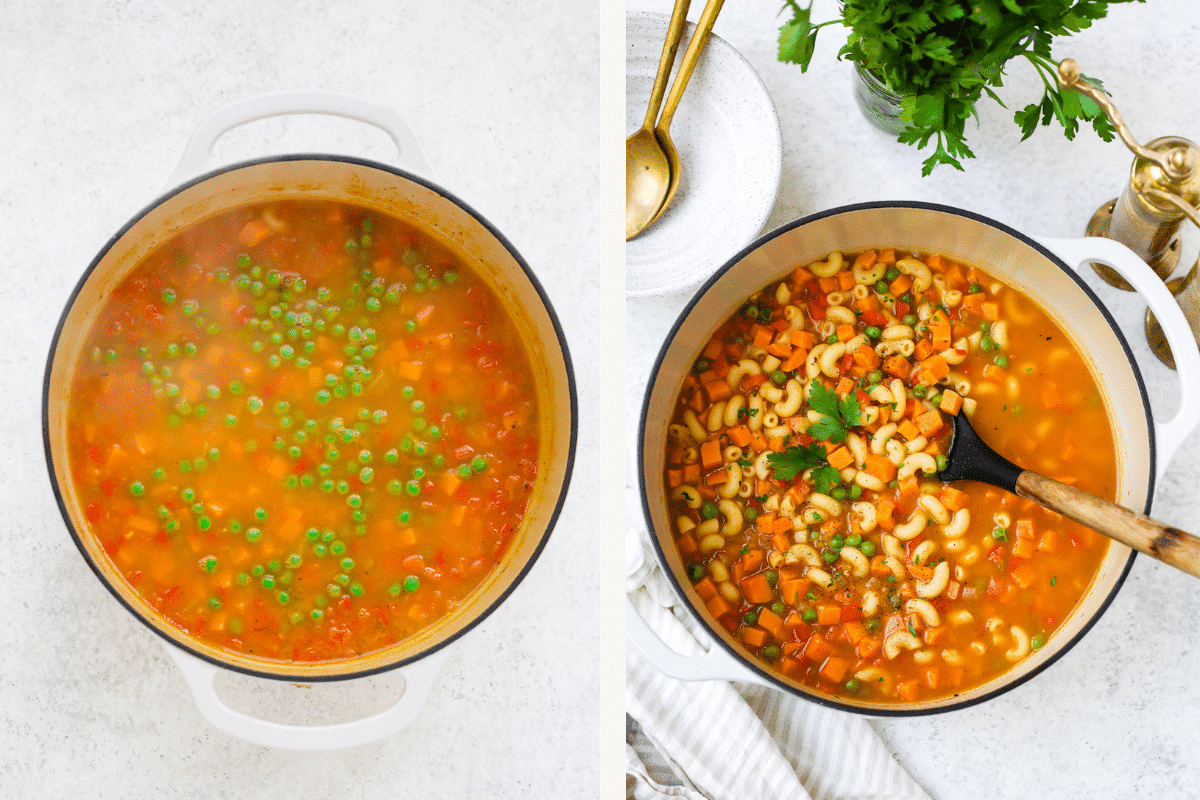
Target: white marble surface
pixel 1116 716
pixel 98 102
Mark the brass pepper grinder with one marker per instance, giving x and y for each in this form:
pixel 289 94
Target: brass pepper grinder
pixel 1163 191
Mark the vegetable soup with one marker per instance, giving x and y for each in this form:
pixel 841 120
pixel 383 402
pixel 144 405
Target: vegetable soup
pixel 303 431
pixel 802 476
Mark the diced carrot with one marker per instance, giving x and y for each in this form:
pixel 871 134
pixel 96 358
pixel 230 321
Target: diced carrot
pixel 844 386
pixel 855 631
pixel 841 458
pixel 1023 548
pixel 718 607
pixel 990 310
pixel 829 615
pixel 953 589
pixel 1024 575
pixel 710 454
pixel 897 366
pixel 780 350
pixel 755 637
pixel 795 360
pixel 739 435
pixel 1049 542
pixel 762 337
pixel 758 441
pixel 933 635
pixel 684 541
pixel 691 473
pixel 845 280
pixel 410 370
pixel 716 390
pixel 717 478
pixel 835 669
pixel 952 402
pixel 931 677
pixel 936 367
pixel 865 357
pixel 909 690
pixel 954 499
pixel 845 332
pixel 923 350
pixel 713 350
pixel 909 489
pixel 880 466
pixel 901 285
pixel 908 429
pixel 828 285
pixel 866 259
pixel 782 525
pixel 973 303
pixel 867 647
pixel 817 649
pixel 887 256
pixel 705 588
pixel 792 591
pixel 254 232
pixel 1024 529
pixel 884 509
pixel 771 621
pixel 929 422
pixel 801 275
pixel 756 589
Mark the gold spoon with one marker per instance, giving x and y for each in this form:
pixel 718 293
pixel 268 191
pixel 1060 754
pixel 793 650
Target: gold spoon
pixel 656 180
pixel 644 159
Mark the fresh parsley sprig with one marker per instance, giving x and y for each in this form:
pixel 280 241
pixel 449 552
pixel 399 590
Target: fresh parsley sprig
pixel 837 416
pixel 941 56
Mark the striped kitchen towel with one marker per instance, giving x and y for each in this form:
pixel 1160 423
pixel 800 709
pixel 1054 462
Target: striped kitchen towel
pixel 715 740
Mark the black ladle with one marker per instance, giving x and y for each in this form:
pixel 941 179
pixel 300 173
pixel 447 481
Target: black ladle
pixel 971 459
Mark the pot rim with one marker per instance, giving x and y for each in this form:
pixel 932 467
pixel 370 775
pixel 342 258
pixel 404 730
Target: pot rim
pixel 768 678
pixel 479 616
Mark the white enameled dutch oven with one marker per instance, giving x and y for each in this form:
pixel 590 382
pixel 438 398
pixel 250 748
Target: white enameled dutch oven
pixel 1045 270
pixel 405 190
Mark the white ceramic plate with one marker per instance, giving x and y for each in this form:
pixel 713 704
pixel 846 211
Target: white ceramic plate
pixel 729 144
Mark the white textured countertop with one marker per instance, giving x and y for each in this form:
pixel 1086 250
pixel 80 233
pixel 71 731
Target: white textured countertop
pixel 1116 717
pixel 98 100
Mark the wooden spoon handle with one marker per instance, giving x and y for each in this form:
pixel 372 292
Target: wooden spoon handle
pixel 1169 545
pixel 690 57
pixel 666 60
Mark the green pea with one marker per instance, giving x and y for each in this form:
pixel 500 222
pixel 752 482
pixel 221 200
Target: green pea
pixel 778 608
pixel 709 510
pixel 920 390
pixel 1001 361
pixel 770 652
pixel 873 332
pixel 809 615
pixel 702 365
pixel 779 378
pixel 856 492
pixel 943 462
pixel 750 617
pixel 910 319
pixel 696 572
pixel 999 534
pixel 891 274
pixel 1037 641
pixel 868 548
pixel 412 583
pixel 852 685
pixel 750 515
pixel 253 534
pixel 987 344
pixel 479 463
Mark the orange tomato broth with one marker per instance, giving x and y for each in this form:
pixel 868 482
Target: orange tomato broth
pixel 821 594
pixel 303 431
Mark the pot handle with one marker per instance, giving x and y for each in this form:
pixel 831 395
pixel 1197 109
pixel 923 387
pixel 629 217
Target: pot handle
pixel 200 676
pixel 715 665
pixel 1170 435
pixel 196 154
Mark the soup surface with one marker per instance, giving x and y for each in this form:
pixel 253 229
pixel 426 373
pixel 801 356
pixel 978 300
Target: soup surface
pixel 303 431
pixel 802 472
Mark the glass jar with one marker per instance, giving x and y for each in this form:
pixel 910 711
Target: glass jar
pixel 879 104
